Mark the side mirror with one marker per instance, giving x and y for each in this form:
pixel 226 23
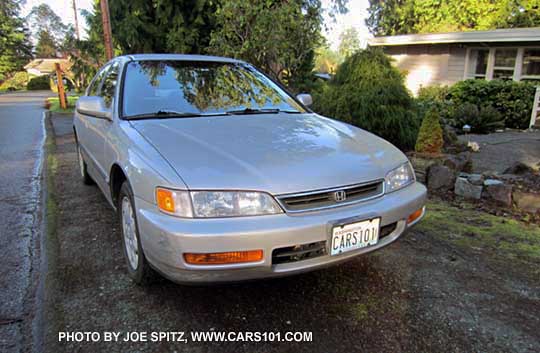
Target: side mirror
pixel 93 106
pixel 305 99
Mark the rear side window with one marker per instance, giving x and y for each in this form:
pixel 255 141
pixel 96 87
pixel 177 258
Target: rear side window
pixel 109 85
pixel 94 86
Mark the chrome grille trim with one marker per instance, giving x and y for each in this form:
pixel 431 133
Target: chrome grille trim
pixel 322 199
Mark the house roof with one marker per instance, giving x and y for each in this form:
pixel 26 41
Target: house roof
pixel 46 66
pixel 498 36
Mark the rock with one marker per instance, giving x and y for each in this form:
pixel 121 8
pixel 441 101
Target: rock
pixel 474 146
pixel 519 168
pixel 463 187
pixel 461 162
pixel 491 182
pixel 440 177
pixel 527 201
pixel 476 179
pixel 497 191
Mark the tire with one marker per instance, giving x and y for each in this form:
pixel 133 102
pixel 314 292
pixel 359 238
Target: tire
pixel 138 267
pixel 83 168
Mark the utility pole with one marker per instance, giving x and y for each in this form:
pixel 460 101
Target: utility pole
pixel 60 85
pixel 76 20
pixel 107 35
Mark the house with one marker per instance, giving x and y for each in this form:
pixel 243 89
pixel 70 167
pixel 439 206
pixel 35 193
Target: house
pixel 446 58
pixel 40 67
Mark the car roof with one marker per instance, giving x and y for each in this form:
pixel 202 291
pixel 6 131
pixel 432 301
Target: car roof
pixel 186 57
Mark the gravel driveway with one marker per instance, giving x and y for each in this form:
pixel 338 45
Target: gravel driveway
pixel 498 151
pixel 442 287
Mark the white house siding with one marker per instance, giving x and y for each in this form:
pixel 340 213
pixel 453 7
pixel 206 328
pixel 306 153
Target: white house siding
pixel 425 64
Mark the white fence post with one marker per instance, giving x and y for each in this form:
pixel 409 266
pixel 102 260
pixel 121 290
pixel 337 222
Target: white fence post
pixel 536 103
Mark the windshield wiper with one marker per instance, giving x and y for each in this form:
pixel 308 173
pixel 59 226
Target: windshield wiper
pixel 261 111
pixel 163 114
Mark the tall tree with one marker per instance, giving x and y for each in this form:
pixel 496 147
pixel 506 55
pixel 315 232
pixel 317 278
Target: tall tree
pixel 348 42
pixel 15 46
pixel 46 46
pixel 157 26
pixel 43 18
pixel 423 16
pixel 279 36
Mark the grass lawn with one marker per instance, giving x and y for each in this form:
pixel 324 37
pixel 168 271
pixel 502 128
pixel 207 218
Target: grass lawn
pixel 55 104
pixel 469 228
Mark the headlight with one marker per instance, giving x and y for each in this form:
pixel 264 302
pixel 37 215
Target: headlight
pixel 231 204
pixel 207 204
pixel 399 177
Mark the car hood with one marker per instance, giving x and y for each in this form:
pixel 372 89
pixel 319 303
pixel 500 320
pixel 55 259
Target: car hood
pixel 276 153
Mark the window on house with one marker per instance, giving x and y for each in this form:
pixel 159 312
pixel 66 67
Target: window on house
pixel 505 61
pixel 531 64
pixel 478 63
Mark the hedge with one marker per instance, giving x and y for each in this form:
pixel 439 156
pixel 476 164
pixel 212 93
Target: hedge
pixel 367 91
pixel 39 83
pixel 512 99
pixel 16 82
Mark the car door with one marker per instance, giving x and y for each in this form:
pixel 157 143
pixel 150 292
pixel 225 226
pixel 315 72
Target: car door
pixel 106 127
pixel 88 134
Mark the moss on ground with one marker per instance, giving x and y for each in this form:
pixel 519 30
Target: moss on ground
pixel 468 227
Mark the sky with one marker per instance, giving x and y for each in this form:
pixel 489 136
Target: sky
pixel 354 18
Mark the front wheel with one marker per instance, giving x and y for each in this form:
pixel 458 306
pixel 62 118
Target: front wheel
pixel 138 268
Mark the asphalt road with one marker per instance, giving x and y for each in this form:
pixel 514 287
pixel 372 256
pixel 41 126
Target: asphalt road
pixel 21 139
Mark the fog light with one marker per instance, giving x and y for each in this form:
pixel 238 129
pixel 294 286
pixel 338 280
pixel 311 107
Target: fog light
pixel 221 258
pixel 415 215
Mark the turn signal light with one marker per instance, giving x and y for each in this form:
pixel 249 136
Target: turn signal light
pixel 165 200
pixel 415 215
pixel 221 258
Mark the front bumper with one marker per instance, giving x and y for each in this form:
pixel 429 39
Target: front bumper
pixel 165 238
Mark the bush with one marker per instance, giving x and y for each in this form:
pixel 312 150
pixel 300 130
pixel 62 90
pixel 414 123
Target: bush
pixel 430 136
pixel 39 83
pixel 511 99
pixel 367 91
pixel 16 82
pixel 482 121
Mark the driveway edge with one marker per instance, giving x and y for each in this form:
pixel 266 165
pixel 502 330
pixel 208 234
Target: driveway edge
pixel 44 318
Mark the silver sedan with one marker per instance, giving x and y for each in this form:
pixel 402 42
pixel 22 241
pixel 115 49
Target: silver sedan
pixel 218 174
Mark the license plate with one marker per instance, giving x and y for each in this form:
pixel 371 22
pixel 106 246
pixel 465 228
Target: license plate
pixel 353 236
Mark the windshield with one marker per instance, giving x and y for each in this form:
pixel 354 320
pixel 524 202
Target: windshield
pixel 200 88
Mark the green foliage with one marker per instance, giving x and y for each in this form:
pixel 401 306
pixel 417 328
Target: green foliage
pixel 15 46
pixel 367 91
pixel 512 99
pixel 46 46
pixel 326 60
pixel 433 93
pixel 16 82
pixel 162 26
pixel 430 136
pixel 427 16
pixel 277 36
pixel 348 42
pixel 482 121
pixel 39 83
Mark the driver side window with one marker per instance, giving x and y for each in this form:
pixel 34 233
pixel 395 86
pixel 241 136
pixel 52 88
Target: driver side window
pixel 93 90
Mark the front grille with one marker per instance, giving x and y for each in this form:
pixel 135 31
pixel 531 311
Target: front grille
pixel 298 252
pixel 326 198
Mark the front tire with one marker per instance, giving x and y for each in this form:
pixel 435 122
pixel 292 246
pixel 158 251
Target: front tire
pixel 138 268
